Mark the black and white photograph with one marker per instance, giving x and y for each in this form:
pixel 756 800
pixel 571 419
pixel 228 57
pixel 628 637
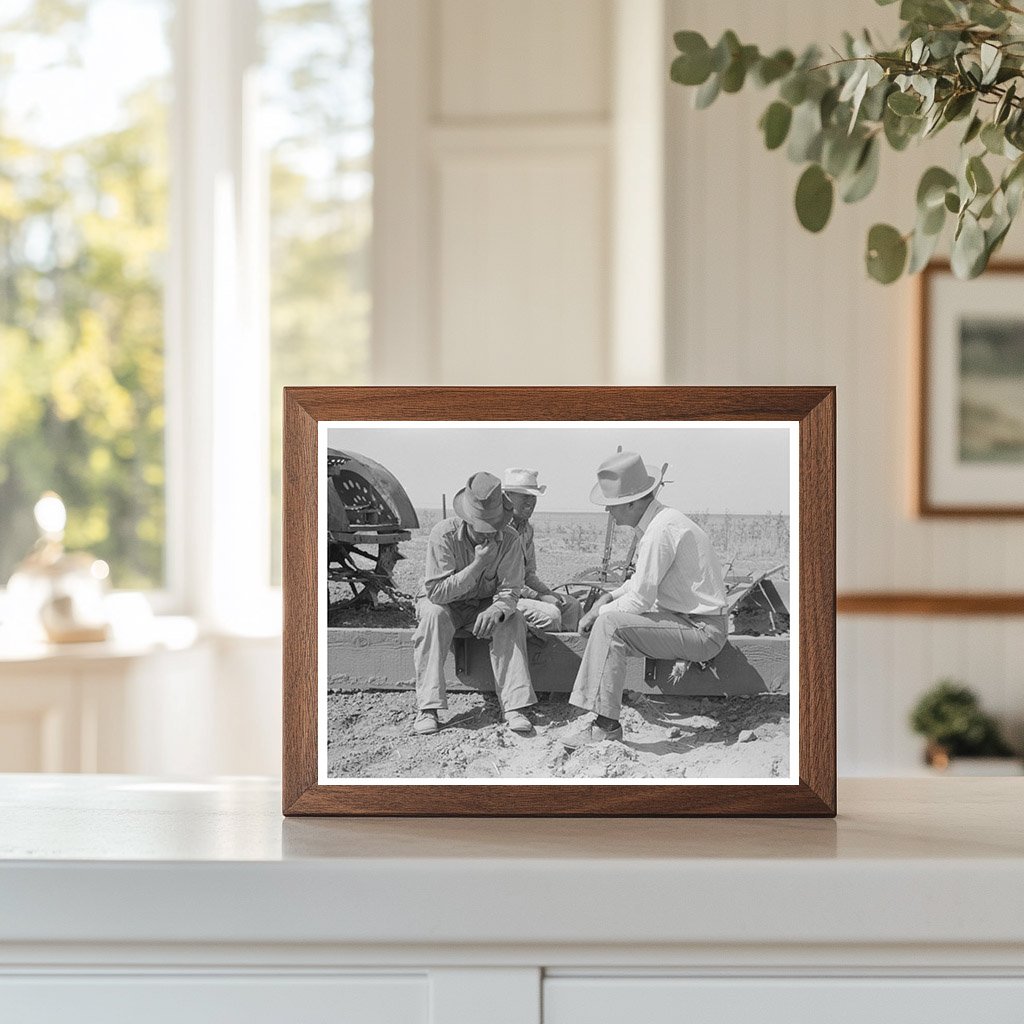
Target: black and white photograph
pixel 528 602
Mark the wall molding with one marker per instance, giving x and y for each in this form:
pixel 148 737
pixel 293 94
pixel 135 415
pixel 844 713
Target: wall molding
pixel 928 603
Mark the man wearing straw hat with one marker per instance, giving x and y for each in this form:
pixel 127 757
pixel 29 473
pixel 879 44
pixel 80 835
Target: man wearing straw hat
pixel 673 606
pixel 474 576
pixel 543 609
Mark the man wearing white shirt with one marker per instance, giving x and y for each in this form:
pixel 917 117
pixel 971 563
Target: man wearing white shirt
pixel 673 606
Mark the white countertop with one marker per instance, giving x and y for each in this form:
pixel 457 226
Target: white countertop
pixel 123 859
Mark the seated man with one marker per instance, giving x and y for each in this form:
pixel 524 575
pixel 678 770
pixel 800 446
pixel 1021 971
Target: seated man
pixel 473 578
pixel 674 605
pixel 543 609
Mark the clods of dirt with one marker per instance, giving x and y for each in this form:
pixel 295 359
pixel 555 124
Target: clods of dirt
pixel 370 736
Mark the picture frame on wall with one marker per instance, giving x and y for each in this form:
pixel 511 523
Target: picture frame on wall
pixel 559 601
pixel 970 383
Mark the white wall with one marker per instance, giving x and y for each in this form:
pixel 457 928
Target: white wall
pixel 752 298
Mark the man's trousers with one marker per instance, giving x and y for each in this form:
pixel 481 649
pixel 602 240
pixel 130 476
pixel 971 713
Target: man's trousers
pixel 433 640
pixel 542 617
pixel 617 636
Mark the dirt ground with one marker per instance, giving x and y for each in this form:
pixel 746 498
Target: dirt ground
pixel 370 735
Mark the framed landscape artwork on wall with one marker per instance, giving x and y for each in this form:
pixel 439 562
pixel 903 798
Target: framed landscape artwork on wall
pixel 970 445
pixel 510 601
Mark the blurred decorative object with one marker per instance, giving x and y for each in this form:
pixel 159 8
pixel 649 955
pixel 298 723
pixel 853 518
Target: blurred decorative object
pixel 970 450
pixel 54 593
pixel 955 61
pixel 950 718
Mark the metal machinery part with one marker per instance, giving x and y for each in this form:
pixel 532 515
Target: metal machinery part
pixel 368 515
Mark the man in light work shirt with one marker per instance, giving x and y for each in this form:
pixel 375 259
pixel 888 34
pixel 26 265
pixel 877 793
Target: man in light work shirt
pixel 474 577
pixel 673 606
pixel 544 610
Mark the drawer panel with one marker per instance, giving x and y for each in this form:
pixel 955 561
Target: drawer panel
pixel 569 1000
pixel 202 999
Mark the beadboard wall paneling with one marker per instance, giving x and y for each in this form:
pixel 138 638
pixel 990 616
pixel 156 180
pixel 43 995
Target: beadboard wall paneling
pixel 752 298
pixel 529 59
pixel 539 310
pixel 492 246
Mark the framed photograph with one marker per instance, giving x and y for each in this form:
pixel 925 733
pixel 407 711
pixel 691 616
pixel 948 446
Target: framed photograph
pixel 559 601
pixel 970 445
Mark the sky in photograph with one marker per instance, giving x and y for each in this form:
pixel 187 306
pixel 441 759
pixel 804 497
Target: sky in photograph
pixel 739 469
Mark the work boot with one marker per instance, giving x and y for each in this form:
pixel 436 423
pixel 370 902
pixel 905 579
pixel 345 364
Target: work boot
pixel 426 723
pixel 592 733
pixel 518 722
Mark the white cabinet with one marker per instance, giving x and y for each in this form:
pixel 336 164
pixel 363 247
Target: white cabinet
pixel 98 708
pixel 127 899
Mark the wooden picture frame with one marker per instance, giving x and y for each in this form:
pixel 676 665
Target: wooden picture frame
pixel 958 471
pixel 808 413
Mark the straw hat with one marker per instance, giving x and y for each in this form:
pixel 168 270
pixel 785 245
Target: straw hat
pixel 482 504
pixel 622 478
pixel 523 481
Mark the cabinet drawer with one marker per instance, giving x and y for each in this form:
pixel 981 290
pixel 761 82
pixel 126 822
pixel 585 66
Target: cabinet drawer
pixel 569 1000
pixel 202 999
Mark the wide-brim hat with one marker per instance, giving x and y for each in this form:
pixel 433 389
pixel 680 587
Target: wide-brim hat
pixel 522 481
pixel 482 504
pixel 622 478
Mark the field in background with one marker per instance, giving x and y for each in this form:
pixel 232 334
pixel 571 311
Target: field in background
pixel 570 542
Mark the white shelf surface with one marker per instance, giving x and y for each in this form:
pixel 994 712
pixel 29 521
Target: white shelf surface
pixel 109 859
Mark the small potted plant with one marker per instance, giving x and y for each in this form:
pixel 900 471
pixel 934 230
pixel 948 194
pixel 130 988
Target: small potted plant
pixel 950 718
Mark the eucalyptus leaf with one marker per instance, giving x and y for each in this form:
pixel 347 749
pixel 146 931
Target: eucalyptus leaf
pixel 865 173
pixel 973 129
pixel 794 88
pixel 771 69
pixel 904 103
pixel 707 93
pixel 952 202
pixel 932 220
pixel 931 190
pixel 775 124
pixel 900 130
pixel 1005 104
pixel 991 60
pixel 958 105
pixel 873 106
pixel 886 253
pixel 1013 187
pixel 978 176
pixel 922 248
pixel 968 247
pixel 987 15
pixel 840 152
pixel 805 133
pixel 993 138
pixel 1014 191
pixel 735 74
pixel 814 194
pixel 725 49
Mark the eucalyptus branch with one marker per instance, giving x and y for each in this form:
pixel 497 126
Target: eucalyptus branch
pixel 833 117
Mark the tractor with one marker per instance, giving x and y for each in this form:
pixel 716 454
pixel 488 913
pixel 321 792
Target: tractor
pixel 368 515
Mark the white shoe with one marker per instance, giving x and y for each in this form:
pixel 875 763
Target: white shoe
pixel 518 722
pixel 426 723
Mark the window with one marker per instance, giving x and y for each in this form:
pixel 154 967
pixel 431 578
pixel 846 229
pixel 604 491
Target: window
pixel 83 237
pixel 185 221
pixel 317 126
